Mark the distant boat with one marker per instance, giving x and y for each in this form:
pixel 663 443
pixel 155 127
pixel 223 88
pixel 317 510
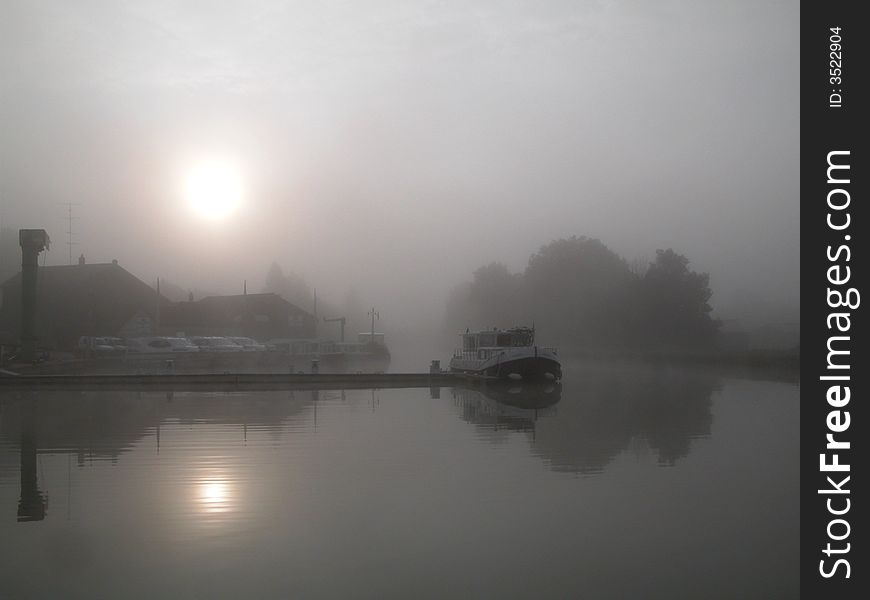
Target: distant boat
pixel 368 347
pixel 506 354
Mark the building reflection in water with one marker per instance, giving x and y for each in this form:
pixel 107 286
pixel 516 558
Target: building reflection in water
pixel 33 503
pixel 580 426
pixel 100 426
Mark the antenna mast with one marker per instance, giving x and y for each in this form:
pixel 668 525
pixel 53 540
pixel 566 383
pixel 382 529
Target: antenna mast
pixel 69 230
pixel 374 315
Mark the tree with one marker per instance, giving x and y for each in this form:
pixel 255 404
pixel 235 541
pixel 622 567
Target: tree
pixel 496 295
pixel 275 281
pixel 290 286
pixel 579 293
pixel 459 311
pixel 578 290
pixel 676 302
pixel 492 299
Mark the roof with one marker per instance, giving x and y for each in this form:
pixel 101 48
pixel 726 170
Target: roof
pixel 78 276
pixel 88 299
pixel 217 310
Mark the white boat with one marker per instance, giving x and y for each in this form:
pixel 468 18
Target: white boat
pixel 328 348
pixel 506 354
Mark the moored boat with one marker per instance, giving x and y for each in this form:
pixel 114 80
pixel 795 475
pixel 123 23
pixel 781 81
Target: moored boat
pixel 506 354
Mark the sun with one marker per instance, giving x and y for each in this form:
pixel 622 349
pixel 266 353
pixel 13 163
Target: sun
pixel 213 189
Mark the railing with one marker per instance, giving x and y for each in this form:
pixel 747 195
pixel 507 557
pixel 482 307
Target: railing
pixel 473 354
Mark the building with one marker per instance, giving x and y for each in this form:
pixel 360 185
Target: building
pixel 107 300
pixel 82 299
pixel 259 316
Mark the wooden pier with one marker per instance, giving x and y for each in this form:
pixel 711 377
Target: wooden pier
pixel 235 381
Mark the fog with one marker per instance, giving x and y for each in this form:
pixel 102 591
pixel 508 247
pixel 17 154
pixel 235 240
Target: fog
pixel 394 147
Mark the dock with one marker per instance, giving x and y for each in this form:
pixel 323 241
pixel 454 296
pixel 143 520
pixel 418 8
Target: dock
pixel 235 381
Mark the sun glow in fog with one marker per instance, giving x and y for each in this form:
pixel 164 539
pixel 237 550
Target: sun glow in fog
pixel 213 189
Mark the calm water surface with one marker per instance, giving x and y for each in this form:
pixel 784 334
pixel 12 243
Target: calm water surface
pixel 629 482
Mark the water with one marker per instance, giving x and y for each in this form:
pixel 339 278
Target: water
pixel 632 483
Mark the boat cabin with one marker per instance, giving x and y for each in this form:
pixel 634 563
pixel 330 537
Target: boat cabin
pixel 365 338
pixel 498 338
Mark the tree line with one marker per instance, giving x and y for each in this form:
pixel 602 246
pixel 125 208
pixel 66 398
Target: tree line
pixel 580 294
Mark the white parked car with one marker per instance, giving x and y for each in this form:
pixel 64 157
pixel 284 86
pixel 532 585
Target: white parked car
pixel 216 344
pixel 100 346
pixel 158 345
pixel 248 344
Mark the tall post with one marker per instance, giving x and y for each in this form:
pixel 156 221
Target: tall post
pixel 157 310
pixel 32 241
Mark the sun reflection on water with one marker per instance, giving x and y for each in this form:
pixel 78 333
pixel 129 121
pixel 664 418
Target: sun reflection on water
pixel 214 496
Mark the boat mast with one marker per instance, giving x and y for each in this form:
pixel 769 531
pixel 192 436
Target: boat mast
pixel 374 315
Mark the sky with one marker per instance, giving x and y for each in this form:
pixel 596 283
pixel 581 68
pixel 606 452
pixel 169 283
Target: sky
pixel 395 146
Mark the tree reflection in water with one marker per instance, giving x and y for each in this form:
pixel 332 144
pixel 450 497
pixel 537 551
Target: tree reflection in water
pixel 598 413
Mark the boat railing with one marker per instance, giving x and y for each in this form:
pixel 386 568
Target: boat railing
pixel 474 354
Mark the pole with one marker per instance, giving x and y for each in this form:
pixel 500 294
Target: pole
pixel 70 233
pixel 374 314
pixel 157 310
pixel 32 241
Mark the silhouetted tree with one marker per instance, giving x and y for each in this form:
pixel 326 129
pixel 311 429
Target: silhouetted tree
pixel 496 293
pixel 494 298
pixel 581 294
pixel 460 310
pixel 578 291
pixel 676 303
pixel 290 286
pixel 275 281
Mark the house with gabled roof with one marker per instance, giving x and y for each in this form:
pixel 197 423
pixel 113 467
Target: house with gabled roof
pixel 259 316
pixel 82 300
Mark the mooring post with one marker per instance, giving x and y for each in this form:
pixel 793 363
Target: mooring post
pixel 33 241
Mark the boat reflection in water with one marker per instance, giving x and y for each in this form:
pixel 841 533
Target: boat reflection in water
pixel 528 396
pixel 508 405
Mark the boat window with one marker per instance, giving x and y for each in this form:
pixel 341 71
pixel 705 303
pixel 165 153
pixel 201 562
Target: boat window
pixel 504 339
pixel 522 338
pixel 468 343
pixel 486 339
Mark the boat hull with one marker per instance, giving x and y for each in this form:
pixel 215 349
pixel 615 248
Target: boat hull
pixel 519 364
